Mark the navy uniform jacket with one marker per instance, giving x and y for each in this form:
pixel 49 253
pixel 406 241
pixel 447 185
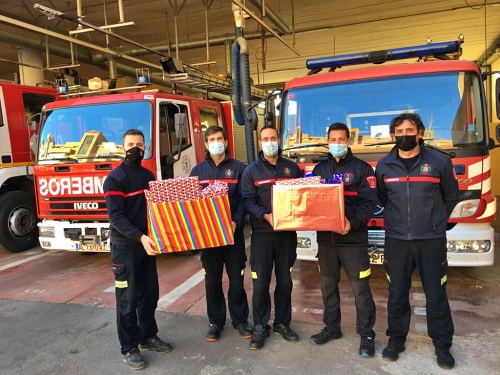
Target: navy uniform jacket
pixel 256 184
pixel 417 203
pixel 229 171
pixel 126 203
pixel 360 197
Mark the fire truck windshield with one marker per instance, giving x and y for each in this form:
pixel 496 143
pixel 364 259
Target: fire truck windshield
pixel 79 133
pixel 448 103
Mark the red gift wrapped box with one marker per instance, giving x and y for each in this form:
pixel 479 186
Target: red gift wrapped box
pixel 309 207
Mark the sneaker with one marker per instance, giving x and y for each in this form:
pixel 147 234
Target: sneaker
pixel 444 358
pixel 134 359
pixel 213 333
pixel 367 347
pixel 156 345
pixel 285 331
pixel 324 336
pixel 260 334
pixel 392 350
pixel 244 330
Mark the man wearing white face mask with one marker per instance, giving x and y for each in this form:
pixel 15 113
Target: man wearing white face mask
pixel 269 247
pixel 218 165
pixel 350 247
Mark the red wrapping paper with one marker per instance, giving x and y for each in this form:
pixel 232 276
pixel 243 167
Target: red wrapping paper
pixel 309 207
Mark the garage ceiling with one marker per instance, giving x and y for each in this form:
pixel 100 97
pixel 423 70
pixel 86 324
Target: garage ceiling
pixel 312 27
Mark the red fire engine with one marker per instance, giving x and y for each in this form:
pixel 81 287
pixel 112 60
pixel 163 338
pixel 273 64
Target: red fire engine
pixel 18 137
pixel 81 142
pixel 449 97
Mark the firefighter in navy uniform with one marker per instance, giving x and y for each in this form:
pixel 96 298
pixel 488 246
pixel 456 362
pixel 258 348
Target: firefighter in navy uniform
pixel 418 189
pixel 348 249
pixel 133 254
pixel 218 165
pixel 268 247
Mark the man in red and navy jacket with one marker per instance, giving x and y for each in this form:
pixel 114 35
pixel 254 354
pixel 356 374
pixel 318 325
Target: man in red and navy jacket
pixel 133 254
pixel 218 165
pixel 418 189
pixel 268 247
pixel 348 249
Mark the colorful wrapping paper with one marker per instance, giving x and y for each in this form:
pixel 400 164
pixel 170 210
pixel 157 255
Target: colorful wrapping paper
pixel 309 207
pixel 189 225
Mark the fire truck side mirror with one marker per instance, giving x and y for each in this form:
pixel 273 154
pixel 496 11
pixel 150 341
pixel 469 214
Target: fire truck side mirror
pixel 497 99
pixel 33 121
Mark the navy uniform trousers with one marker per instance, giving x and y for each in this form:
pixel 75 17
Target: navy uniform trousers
pixel 430 259
pixel 356 263
pixel 213 261
pixel 268 249
pixel 137 293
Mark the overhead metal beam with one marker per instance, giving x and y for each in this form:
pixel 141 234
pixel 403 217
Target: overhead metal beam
pixel 106 51
pixel 250 13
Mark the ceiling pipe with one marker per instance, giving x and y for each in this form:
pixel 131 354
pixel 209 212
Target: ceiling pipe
pixel 273 17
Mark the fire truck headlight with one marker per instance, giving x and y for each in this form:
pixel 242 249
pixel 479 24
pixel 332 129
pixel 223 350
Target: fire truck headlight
pixel 465 208
pixel 104 234
pixel 303 242
pixel 47 232
pixel 473 246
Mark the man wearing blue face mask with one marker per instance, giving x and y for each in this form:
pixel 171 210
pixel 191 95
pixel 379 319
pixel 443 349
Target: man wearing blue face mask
pixel 419 191
pixel 350 247
pixel 269 248
pixel 218 165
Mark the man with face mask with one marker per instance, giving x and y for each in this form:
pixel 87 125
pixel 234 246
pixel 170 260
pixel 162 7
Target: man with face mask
pixel 218 165
pixel 268 247
pixel 350 247
pixel 133 254
pixel 418 189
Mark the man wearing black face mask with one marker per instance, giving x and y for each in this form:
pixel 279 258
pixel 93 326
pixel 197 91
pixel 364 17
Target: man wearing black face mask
pixel 418 189
pixel 133 254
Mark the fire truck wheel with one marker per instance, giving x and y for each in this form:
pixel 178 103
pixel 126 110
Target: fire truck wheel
pixel 18 229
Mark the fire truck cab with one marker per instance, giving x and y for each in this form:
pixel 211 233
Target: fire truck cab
pixel 81 141
pixel 449 97
pixel 18 138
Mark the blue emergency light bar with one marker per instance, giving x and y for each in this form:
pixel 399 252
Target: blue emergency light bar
pixel 438 49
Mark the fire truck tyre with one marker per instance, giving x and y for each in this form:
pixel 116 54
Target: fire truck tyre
pixel 18 229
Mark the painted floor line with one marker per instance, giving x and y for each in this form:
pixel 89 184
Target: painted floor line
pixel 178 292
pixel 26 260
pixel 111 289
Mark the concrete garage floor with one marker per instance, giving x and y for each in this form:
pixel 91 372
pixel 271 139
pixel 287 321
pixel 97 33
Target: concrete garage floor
pixel 57 317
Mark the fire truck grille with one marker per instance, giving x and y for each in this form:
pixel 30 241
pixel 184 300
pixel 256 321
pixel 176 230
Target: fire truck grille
pixel 71 207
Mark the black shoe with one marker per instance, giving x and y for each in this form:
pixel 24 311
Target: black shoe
pixel 244 330
pixel 260 334
pixel 134 360
pixel 156 344
pixel 324 336
pixel 285 331
pixel 367 347
pixel 213 333
pixel 444 358
pixel 392 350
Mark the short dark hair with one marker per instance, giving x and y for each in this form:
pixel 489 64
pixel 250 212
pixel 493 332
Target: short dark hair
pixel 412 117
pixel 215 129
pixel 268 127
pixel 134 132
pixel 339 126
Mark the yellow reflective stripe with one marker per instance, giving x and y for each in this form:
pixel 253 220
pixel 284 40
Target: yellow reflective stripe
pixel 121 284
pixel 444 279
pixel 242 272
pixel 254 275
pixel 204 272
pixel 366 273
pixel 388 277
pixel 291 268
pixel 319 268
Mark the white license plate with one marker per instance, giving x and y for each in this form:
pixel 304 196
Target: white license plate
pixel 379 260
pixel 92 247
